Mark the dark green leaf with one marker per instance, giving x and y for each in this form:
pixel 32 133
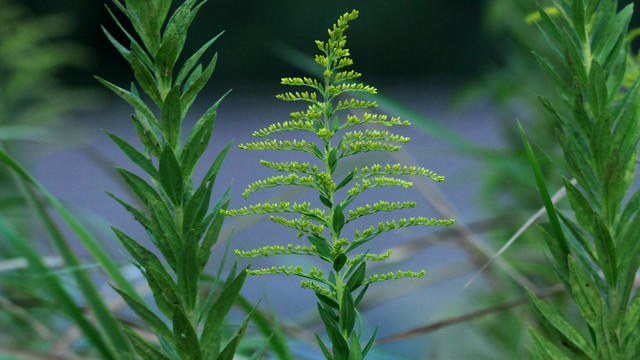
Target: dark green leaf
pixel 325 201
pixel 355 351
pixel 171 176
pixel 347 313
pixel 148 138
pixel 322 246
pixel 189 272
pixel 546 349
pixel 580 205
pixel 345 181
pixel 134 155
pixel 361 295
pixel 211 236
pixel 370 342
pixel 544 193
pixel 193 60
pixel 556 322
pixel 194 88
pixel 151 319
pixel 172 118
pixel 221 307
pixel 325 300
pixel 339 262
pixel 147 117
pixel 357 278
pixel 145 79
pixel 606 250
pixel 323 348
pixel 338 219
pixel 186 339
pixel 144 348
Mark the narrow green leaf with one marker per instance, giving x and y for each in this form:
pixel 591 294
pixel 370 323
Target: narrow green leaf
pixel 134 155
pixel 193 60
pixel 338 219
pixel 189 273
pixel 193 89
pixel 138 214
pixel 346 180
pixel 151 319
pixel 325 300
pixel 229 351
pixel 121 49
pixel 198 140
pixel 323 348
pixel 355 351
pixel 149 138
pixel 339 262
pixel 606 251
pixel 556 321
pixel 171 176
pixel 144 348
pixel 546 349
pixel 172 116
pixel 322 246
pixel 145 79
pixel 213 231
pixel 357 278
pixel 347 313
pixel 148 119
pixel 143 191
pixel 185 336
pixel 370 342
pixel 221 307
pixel 580 205
pixel 544 193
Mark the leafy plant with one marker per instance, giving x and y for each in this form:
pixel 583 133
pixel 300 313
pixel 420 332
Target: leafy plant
pixel 175 211
pixel 594 252
pixel 341 289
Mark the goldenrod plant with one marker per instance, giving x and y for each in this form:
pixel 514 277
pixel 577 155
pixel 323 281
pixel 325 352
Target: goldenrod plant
pixel 343 284
pixel 175 211
pixel 593 247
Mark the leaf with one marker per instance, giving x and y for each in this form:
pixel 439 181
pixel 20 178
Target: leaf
pixel 323 348
pixel 194 88
pixel 149 318
pixel 221 307
pixel 345 181
pixel 361 295
pixel 581 207
pixel 339 262
pixel 143 191
pixel 193 60
pixel 189 272
pixel 138 214
pixel 171 176
pixel 322 246
pixel 228 353
pixel 555 321
pixel 121 49
pixel 211 236
pixel 544 193
pixel 145 79
pixel 147 118
pixel 370 342
pixel 148 138
pixel 143 348
pixel 198 140
pixel 606 251
pixel 134 155
pixel 357 278
pixel 325 300
pixel 185 336
pixel 340 347
pixel 172 118
pixel 347 313
pixel 338 219
pixel 546 349
pixel 355 351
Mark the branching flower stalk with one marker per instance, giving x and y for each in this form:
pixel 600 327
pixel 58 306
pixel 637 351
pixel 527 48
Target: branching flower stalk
pixel 594 251
pixel 340 289
pixel 175 211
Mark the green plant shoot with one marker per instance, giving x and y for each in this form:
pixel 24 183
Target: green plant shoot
pixel 175 211
pixel 595 249
pixel 343 286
